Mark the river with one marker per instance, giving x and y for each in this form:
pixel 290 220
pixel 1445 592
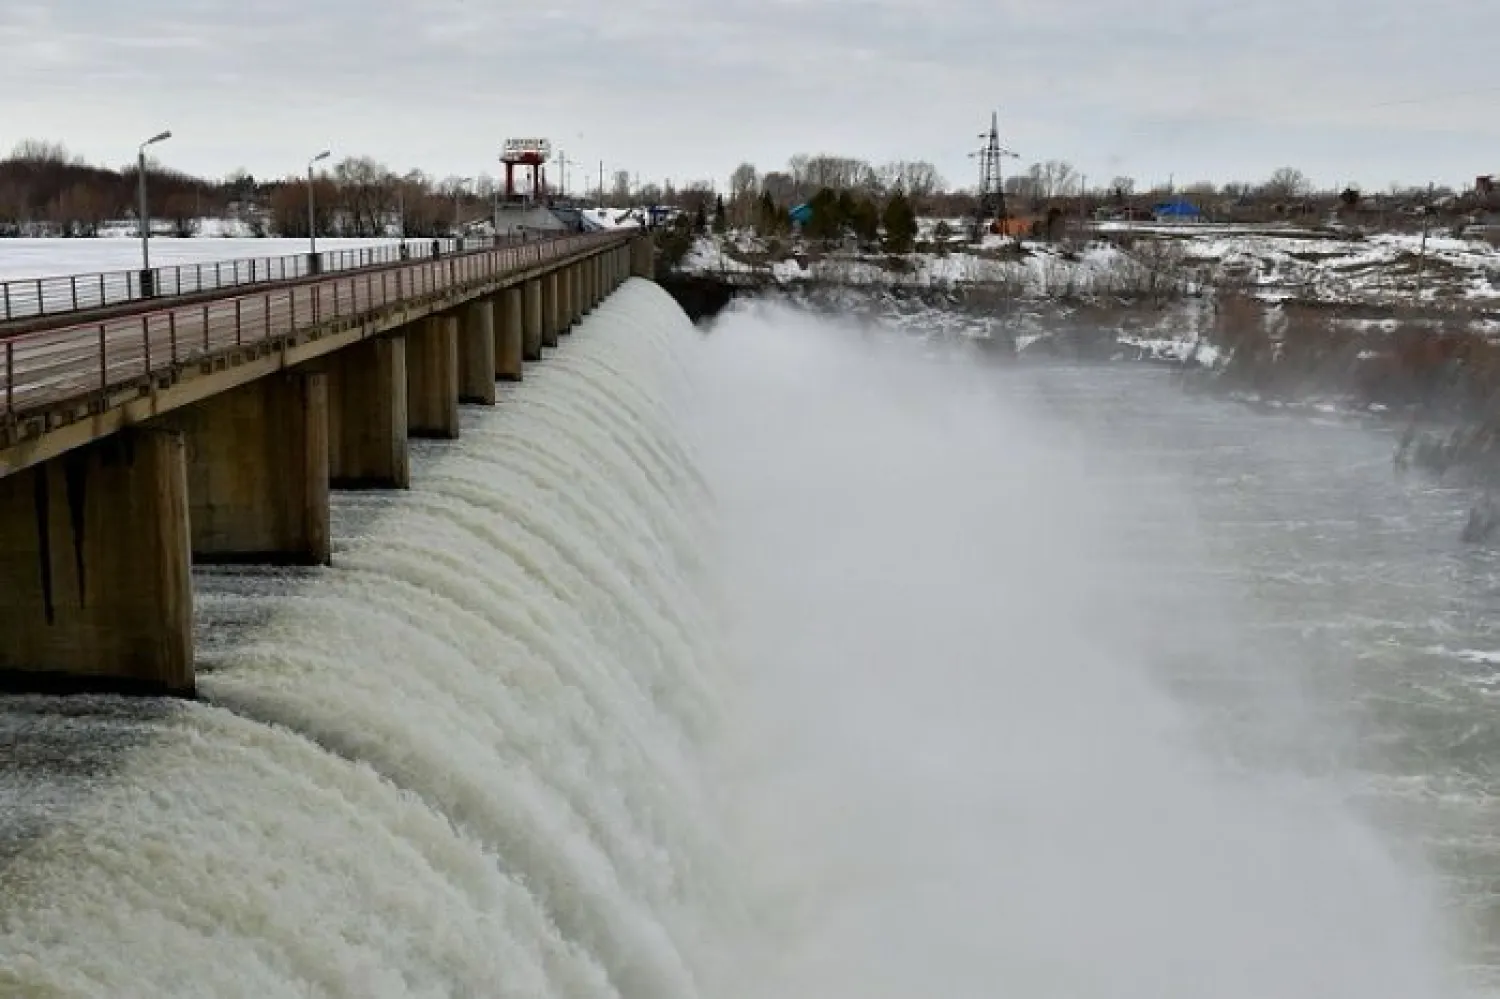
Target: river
pixel 804 658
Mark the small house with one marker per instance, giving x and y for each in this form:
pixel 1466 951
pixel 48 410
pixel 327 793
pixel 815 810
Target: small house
pixel 1177 210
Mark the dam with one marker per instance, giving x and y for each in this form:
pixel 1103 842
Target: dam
pixel 793 656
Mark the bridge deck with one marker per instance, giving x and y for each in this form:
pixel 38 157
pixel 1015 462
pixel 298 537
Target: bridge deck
pixel 58 375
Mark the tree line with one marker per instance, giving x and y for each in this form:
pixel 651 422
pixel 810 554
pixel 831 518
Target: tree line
pixel 44 189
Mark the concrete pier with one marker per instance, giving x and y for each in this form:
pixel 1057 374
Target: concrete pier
pixel 575 292
pixel 551 313
pixel 476 353
pixel 96 570
pixel 257 472
pixel 642 258
pixel 565 300
pixel 510 334
pixel 532 341
pixel 432 378
pixel 367 420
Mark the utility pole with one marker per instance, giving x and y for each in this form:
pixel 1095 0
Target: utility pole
pixel 1083 209
pixel 1422 253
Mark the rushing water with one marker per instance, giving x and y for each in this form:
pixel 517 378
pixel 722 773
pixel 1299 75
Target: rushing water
pixel 803 660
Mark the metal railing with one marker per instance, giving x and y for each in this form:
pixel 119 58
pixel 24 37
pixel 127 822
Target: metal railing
pixel 40 297
pixel 47 367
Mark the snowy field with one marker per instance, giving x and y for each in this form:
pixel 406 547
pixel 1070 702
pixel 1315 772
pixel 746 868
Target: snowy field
pixel 1273 264
pixel 33 258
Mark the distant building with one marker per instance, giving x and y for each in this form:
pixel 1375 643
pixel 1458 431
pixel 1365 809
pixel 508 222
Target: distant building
pixel 1177 210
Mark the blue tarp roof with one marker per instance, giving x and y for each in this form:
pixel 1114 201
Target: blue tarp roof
pixel 1177 207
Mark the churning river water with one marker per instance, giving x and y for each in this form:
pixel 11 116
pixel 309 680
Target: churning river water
pixel 803 658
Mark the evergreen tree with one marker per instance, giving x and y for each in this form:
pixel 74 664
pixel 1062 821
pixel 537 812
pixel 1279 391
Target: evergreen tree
pixel 864 219
pixel 721 217
pixel 772 220
pixel 700 220
pixel 900 224
pixel 826 223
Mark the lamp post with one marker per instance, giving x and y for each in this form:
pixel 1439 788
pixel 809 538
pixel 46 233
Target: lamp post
pixel 312 216
pixel 144 214
pixel 460 187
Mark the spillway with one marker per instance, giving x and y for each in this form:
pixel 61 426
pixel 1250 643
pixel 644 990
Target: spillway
pixel 802 657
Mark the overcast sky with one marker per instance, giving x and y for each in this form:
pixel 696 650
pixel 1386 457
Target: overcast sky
pixel 686 89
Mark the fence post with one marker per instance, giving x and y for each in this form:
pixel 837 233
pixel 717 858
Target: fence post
pixel 10 376
pixel 103 361
pixel 172 334
pixel 238 339
pixel 7 301
pixel 267 330
pixel 41 303
pixel 73 281
pixel 146 339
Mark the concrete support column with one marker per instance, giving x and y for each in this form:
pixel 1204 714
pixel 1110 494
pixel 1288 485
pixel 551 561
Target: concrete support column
pixel 575 284
pixel 367 416
pixel 509 334
pixel 551 313
pixel 432 378
pixel 476 353
pixel 257 472
pixel 95 568
pixel 565 300
pixel 532 338
pixel 642 257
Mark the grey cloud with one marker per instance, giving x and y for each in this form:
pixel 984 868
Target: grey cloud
pixel 687 88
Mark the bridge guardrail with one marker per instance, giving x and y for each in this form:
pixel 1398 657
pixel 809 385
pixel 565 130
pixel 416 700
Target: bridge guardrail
pixel 47 367
pixel 59 295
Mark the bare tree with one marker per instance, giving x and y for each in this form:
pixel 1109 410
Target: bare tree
pixel 365 187
pixel 1286 182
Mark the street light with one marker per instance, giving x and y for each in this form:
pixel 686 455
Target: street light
pixel 312 217
pixel 144 214
pixel 460 187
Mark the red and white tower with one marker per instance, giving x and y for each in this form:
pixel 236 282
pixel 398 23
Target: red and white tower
pixel 532 153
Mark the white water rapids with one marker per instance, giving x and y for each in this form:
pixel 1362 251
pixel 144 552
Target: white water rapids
pixel 796 660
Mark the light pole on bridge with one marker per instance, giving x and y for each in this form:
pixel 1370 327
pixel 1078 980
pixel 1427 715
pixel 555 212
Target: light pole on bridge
pixel 148 286
pixel 312 215
pixel 460 188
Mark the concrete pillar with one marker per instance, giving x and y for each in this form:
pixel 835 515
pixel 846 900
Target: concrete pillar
pixel 551 313
pixel 367 416
pixel 565 300
pixel 257 472
pixel 642 257
pixel 575 284
pixel 509 334
pixel 96 571
pixel 476 353
pixel 432 377
pixel 532 339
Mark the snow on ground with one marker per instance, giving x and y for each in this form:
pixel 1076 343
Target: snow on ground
pixel 611 218
pixel 1042 270
pixel 1324 268
pixel 32 258
pixel 1276 263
